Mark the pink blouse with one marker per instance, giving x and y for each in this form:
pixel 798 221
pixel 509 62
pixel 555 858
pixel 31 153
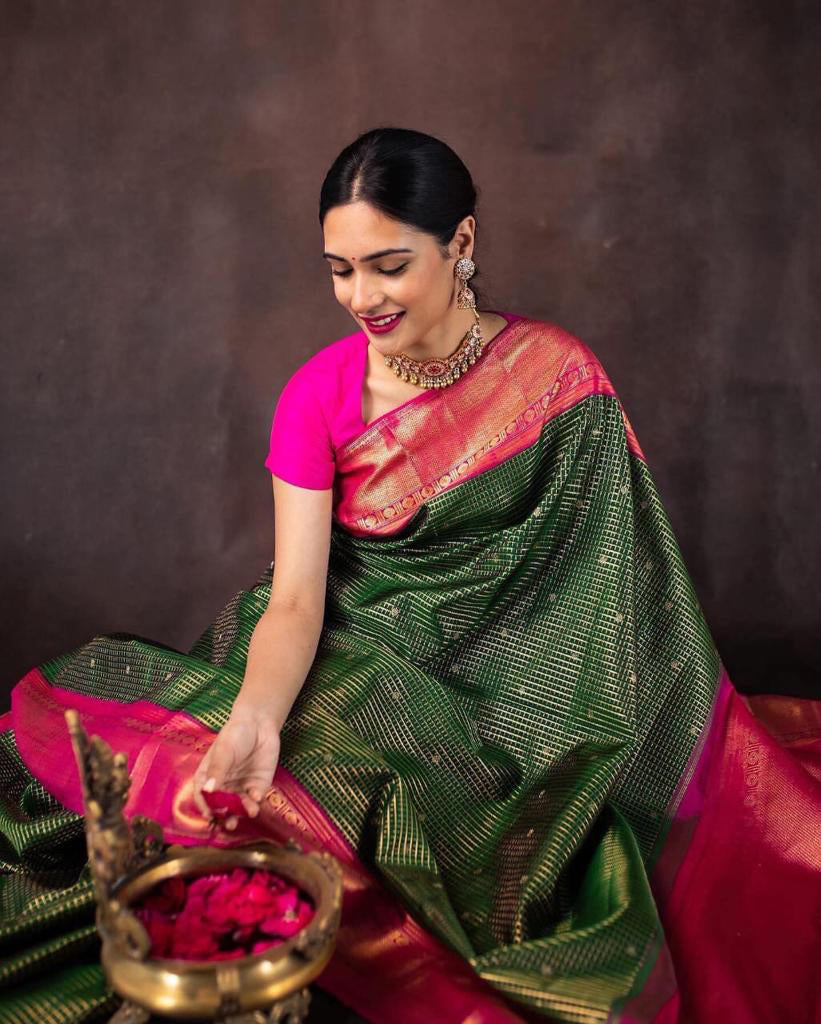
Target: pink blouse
pixel 319 410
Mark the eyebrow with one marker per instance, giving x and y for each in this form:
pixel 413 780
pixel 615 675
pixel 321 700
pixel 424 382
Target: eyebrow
pixel 373 255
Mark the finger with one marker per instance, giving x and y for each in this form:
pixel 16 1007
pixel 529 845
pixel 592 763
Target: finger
pixel 200 778
pixel 202 806
pixel 220 764
pixel 231 822
pixel 251 806
pixel 202 770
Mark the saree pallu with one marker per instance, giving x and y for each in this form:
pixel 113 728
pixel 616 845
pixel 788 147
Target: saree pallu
pixel 517 736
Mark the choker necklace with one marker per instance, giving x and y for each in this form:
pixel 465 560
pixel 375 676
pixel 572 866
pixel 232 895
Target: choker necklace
pixel 439 373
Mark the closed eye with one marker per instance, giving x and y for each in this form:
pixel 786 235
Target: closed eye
pixel 389 273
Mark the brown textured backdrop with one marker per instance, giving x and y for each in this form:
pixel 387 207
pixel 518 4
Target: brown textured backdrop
pixel 648 176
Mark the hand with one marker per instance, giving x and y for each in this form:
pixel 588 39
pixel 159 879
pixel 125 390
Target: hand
pixel 242 759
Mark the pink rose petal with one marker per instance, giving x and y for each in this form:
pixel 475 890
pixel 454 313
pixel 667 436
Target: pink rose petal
pixel 223 802
pixel 167 897
pixel 192 943
pixel 160 930
pixel 265 944
pixel 288 924
pixel 246 911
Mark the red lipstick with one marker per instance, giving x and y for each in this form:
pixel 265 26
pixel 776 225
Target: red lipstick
pixel 369 323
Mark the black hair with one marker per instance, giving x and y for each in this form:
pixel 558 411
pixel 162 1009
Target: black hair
pixel 406 175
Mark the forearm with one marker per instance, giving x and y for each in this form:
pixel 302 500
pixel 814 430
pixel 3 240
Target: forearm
pixel 282 649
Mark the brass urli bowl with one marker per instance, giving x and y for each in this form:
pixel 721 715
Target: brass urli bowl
pixel 127 858
pixel 222 988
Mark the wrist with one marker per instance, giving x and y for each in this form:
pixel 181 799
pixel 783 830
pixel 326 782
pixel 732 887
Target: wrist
pixel 252 711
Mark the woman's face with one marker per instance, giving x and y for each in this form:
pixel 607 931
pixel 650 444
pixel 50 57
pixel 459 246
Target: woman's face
pixel 370 282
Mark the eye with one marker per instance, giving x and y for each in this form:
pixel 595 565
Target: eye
pixel 389 273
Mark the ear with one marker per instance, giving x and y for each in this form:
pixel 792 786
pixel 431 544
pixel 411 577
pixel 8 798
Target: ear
pixel 464 237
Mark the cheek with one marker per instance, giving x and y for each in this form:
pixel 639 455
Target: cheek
pixel 432 285
pixel 410 289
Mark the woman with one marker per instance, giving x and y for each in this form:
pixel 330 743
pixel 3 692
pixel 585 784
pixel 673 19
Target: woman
pixel 478 668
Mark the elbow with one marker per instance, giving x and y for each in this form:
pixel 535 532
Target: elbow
pixel 310 614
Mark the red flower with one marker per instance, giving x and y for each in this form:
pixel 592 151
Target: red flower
pixel 273 882
pixel 288 924
pixel 200 887
pixel 167 897
pixel 222 803
pixel 265 944
pixel 192 943
pixel 222 916
pixel 160 930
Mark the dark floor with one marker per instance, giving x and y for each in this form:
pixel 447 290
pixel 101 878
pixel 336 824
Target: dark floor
pixel 327 1010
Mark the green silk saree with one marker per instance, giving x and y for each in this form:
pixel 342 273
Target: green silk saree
pixel 517 735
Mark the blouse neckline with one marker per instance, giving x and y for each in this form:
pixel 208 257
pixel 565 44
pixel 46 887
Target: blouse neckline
pixel 363 366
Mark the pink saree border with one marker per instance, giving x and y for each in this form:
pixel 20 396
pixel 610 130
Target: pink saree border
pixel 658 999
pixel 738 882
pixel 412 978
pixel 381 484
pixel 687 802
pixel 419 399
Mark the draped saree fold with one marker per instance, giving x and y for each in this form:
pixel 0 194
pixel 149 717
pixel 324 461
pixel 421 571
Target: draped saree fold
pixel 517 735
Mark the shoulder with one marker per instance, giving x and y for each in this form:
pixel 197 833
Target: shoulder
pixel 315 393
pixel 552 341
pixel 327 364
pixel 301 449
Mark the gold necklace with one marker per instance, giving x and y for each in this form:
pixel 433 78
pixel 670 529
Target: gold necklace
pixel 439 373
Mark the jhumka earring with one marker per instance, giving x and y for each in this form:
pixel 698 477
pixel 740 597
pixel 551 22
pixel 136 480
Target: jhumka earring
pixel 464 269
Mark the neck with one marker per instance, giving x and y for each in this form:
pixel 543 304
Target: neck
pixel 443 339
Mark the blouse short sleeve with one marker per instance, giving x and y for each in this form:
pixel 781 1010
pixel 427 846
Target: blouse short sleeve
pixel 300 450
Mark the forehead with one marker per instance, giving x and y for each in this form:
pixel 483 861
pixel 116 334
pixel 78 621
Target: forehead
pixel 358 229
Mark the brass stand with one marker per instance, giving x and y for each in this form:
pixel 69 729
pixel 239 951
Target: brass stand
pixel 292 1010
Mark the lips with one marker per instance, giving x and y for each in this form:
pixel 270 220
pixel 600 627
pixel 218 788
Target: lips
pixel 371 323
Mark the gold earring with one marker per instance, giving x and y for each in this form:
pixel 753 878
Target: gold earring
pixel 464 269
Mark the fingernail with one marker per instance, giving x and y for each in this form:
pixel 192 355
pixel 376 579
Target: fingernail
pixel 232 822
pixel 210 785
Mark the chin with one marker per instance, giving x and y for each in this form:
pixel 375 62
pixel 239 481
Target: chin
pixel 383 346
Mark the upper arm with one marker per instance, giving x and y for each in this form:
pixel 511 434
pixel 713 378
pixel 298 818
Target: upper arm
pixel 302 539
pixel 300 450
pixel 301 462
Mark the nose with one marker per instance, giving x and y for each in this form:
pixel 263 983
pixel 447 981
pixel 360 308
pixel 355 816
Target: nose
pixel 364 300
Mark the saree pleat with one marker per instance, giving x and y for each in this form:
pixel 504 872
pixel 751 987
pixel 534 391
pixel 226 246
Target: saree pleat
pixel 512 733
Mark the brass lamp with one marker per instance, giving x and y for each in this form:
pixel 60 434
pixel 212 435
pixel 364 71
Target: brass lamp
pixel 128 860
